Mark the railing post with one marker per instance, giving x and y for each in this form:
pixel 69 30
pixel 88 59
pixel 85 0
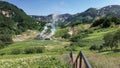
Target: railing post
pixel 85 60
pixel 80 63
pixel 71 56
pixel 76 64
pixel 81 57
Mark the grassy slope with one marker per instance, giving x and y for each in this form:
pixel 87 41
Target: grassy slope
pixel 100 33
pixel 48 44
pixel 33 61
pixel 107 59
pixel 52 57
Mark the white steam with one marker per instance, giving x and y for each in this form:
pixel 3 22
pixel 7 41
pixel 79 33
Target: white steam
pixel 44 34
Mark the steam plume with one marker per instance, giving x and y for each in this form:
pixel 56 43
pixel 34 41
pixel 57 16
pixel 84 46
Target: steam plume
pixel 52 26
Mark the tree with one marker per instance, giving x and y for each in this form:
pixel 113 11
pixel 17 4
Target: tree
pixel 108 40
pixel 112 39
pixel 106 22
pixel 66 36
pixel 117 38
pixel 98 22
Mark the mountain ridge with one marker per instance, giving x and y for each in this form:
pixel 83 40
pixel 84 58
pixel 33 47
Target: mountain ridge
pixel 87 16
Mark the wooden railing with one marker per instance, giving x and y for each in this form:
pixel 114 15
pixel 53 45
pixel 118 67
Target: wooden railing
pixel 80 61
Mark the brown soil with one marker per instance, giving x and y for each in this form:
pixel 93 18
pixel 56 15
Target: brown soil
pixel 29 34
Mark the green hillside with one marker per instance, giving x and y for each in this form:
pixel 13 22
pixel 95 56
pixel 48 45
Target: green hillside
pixel 14 21
pixel 19 20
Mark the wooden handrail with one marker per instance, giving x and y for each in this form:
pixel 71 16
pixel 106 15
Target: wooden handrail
pixel 80 57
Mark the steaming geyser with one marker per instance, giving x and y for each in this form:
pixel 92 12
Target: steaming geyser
pixel 49 26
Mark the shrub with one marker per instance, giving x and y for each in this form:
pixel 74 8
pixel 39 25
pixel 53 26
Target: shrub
pixel 112 39
pixel 108 40
pixel 47 38
pixel 116 50
pixel 77 44
pixel 61 32
pixel 1 44
pixel 78 37
pixel 66 36
pixel 5 39
pixel 94 47
pixel 39 49
pixel 88 31
pixel 106 22
pixel 116 38
pixel 16 51
pixel 31 50
pixel 2 53
pixel 71 48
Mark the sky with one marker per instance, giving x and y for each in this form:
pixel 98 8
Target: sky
pixel 46 7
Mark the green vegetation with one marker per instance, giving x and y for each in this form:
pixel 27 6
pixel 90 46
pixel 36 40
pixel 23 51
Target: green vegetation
pixel 56 53
pixel 33 61
pixel 14 21
pixel 28 50
pixel 61 32
pixel 112 39
pixel 104 60
pixel 106 22
pixel 34 46
pixel 91 42
pixel 17 21
pixel 35 54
